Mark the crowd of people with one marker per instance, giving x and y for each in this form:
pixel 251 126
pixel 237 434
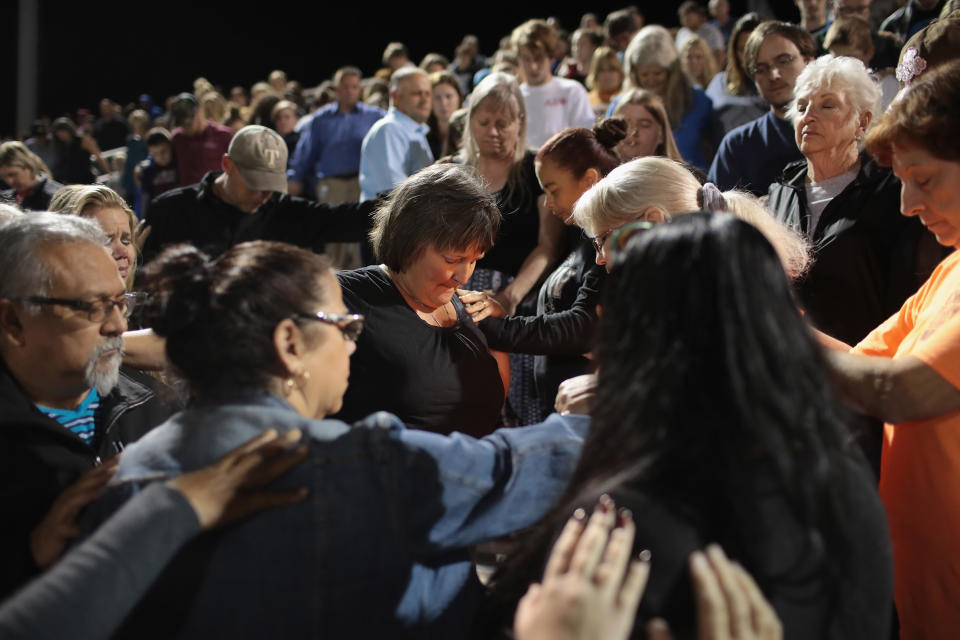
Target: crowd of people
pixel 629 332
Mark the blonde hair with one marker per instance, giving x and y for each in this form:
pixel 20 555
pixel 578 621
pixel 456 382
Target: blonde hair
pixel 709 62
pixel 632 190
pixel 603 55
pixel 653 46
pixel 652 103
pixel 214 107
pixel 498 91
pixel 16 154
pixel 85 200
pixel 791 247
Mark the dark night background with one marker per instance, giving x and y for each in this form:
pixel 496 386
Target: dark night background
pixel 114 49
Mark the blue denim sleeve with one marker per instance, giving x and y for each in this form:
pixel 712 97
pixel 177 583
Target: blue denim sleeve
pixel 495 485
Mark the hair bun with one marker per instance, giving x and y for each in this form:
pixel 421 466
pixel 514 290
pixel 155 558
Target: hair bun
pixel 610 131
pixel 178 287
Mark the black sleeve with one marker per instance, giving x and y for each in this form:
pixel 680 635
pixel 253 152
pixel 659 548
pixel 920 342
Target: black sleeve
pixel 320 223
pixel 565 333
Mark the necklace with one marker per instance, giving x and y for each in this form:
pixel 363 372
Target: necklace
pixel 406 292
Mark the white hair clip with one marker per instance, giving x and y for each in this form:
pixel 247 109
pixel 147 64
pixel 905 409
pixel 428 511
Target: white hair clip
pixel 911 66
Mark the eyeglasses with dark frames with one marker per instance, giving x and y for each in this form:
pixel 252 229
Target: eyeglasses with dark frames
pixel 350 324
pixel 96 310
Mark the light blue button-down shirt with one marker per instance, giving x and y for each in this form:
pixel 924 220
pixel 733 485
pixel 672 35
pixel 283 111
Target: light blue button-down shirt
pixel 394 148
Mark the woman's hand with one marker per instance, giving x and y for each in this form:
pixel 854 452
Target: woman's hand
pixel 730 605
pixel 590 587
pixel 232 487
pixel 481 304
pixel 49 538
pixel 575 395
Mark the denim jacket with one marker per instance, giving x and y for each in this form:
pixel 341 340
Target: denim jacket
pixel 377 549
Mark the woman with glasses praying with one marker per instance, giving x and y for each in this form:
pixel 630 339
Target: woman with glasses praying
pixel 263 339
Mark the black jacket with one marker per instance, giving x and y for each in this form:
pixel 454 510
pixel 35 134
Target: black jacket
pixel 866 258
pixel 39 198
pixel 196 216
pixel 39 458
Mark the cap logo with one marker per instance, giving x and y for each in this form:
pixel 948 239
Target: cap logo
pixel 272 156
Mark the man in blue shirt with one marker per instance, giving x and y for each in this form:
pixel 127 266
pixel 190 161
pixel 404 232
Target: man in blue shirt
pixel 752 156
pixel 327 158
pixel 326 161
pixel 396 146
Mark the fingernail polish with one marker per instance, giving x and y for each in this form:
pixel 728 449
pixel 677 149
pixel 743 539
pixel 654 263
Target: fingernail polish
pixel 605 503
pixel 624 516
pixel 579 515
pixel 644 556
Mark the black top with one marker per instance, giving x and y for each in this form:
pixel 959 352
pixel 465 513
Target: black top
pixel 756 525
pixel 564 328
pixel 438 379
pixel 520 227
pixel 39 197
pixel 196 216
pixel 868 258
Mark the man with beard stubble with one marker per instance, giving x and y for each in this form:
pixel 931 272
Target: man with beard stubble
pixel 66 404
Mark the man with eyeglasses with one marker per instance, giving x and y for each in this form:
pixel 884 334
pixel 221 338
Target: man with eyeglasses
pixel 752 156
pixel 65 403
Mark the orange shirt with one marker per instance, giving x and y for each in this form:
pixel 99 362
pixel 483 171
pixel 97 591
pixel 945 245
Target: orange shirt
pixel 920 468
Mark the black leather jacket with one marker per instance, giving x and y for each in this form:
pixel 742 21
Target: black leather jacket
pixel 39 458
pixel 867 261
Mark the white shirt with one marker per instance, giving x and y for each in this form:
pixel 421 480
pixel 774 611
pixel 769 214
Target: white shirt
pixel 553 106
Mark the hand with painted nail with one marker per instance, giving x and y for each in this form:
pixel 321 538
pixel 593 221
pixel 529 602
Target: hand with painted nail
pixel 591 587
pixel 730 605
pixel 232 488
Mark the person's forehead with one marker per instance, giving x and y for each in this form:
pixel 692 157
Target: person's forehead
pixel 775 45
pixel 81 270
pixel 414 83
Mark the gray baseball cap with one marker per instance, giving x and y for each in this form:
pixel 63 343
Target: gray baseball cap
pixel 260 155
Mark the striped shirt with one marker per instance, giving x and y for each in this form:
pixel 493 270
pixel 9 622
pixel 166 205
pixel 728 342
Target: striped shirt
pixel 80 420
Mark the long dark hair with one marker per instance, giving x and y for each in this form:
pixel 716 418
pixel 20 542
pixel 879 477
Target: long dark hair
pixel 707 376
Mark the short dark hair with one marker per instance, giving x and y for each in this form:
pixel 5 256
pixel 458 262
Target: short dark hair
pixel 925 116
pixel 446 206
pixel 346 71
pixel 691 6
pixel 618 22
pixel 218 316
pixel 800 37
pixel 158 135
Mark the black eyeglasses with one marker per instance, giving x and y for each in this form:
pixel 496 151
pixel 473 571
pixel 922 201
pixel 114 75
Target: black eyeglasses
pixel 350 324
pixel 96 310
pixel 599 240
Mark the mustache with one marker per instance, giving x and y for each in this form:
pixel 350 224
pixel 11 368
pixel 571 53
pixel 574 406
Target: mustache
pixel 110 344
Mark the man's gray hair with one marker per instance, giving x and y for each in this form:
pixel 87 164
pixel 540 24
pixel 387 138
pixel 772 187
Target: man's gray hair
pixel 405 72
pixel 844 75
pixel 25 272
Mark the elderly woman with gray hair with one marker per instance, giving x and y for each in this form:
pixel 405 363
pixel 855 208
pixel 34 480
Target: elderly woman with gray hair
pixel 867 257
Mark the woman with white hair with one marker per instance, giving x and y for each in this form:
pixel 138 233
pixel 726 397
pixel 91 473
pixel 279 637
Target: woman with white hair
pixel 868 258
pixel 651 63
